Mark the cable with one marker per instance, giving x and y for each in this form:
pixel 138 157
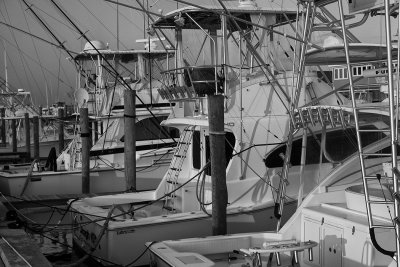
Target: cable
pixel 141 255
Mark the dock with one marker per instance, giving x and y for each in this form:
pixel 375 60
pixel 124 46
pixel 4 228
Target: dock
pixel 16 248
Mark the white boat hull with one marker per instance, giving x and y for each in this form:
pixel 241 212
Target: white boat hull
pixel 102 180
pixel 123 245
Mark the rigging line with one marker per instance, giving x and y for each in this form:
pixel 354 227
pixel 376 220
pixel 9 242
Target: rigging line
pixel 108 63
pixel 50 32
pixel 56 19
pixel 36 51
pixel 95 17
pixel 254 171
pixel 143 9
pixel 58 80
pixel 266 70
pixel 32 59
pixel 124 83
pixel 34 36
pixel 18 48
pixel 127 18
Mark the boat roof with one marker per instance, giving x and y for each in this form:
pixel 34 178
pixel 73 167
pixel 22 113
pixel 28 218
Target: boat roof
pixel 124 55
pixel 358 53
pixel 208 16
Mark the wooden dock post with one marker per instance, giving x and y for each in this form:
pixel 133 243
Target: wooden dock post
pixel 3 126
pixel 27 136
pixel 130 139
pixel 60 130
pixel 36 153
pixel 14 135
pixel 85 136
pixel 218 163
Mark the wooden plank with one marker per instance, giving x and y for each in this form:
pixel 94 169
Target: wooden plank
pixel 18 250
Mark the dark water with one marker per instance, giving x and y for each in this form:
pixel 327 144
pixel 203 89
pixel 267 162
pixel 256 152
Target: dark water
pixel 51 229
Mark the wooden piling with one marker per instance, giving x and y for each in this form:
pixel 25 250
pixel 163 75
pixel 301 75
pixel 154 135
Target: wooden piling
pixel 130 139
pixel 27 135
pixel 85 136
pixel 3 126
pixel 36 153
pixel 60 129
pixel 14 135
pixel 218 163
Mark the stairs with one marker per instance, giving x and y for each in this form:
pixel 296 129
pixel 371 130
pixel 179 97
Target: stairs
pixel 175 168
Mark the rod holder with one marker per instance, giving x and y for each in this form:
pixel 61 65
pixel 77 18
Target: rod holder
pixel 257 259
pixel 310 254
pixel 296 257
pixel 278 258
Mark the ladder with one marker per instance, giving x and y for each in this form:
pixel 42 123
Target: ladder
pixel 392 133
pixel 176 167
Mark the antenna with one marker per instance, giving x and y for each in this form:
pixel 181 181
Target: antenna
pixel 151 41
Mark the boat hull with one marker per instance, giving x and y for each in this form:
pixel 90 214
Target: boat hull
pixel 123 245
pixel 102 180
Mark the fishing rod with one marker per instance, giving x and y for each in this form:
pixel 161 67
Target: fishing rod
pixel 35 36
pixel 51 33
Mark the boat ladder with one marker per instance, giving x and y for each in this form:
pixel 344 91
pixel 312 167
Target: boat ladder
pixel 176 167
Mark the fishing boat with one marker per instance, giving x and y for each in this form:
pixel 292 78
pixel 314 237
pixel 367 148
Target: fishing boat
pixel 104 98
pixel 350 217
pixel 113 229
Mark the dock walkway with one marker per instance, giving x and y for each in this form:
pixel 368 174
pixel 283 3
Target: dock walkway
pixel 17 249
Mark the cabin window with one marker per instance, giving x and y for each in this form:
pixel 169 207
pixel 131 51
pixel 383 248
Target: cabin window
pixel 196 151
pixel 339 145
pixel 229 146
pixel 340 73
pixel 150 129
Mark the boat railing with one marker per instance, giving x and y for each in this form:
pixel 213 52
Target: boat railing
pixel 194 82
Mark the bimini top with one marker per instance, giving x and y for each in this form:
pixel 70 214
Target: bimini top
pixel 358 52
pixel 208 16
